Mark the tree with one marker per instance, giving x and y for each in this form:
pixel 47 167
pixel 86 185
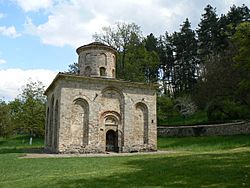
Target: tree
pixel 73 69
pixel 135 62
pixel 219 89
pixel 185 60
pixel 152 60
pixel 235 16
pixel 29 109
pixel 140 65
pixel 151 43
pixel 242 40
pixel 120 37
pixel 165 109
pixel 5 126
pixel 165 52
pixel 208 33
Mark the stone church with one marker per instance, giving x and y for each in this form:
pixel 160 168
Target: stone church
pixel 93 112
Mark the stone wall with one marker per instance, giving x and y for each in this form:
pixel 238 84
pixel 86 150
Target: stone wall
pixel 90 107
pixel 205 130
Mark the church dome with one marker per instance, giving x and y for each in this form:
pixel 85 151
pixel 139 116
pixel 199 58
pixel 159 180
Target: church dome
pixel 97 60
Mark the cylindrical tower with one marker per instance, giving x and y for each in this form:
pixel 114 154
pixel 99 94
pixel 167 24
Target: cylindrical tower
pixel 97 60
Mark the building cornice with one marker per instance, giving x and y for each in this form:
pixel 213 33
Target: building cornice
pixel 110 81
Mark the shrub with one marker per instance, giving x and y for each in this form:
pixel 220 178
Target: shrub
pixel 221 110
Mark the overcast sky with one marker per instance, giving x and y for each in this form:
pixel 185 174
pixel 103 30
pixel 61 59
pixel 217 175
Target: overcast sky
pixel 38 38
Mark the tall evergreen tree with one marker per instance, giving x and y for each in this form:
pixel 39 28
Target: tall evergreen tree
pixel 186 60
pixel 208 33
pixel 151 43
pixel 235 16
pixel 165 52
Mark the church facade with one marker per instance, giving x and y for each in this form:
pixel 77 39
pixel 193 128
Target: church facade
pixel 93 112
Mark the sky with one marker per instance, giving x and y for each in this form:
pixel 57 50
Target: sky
pixel 38 38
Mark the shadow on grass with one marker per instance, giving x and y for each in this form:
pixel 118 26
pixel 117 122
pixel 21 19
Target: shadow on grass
pixel 21 150
pixel 204 143
pixel 212 170
pixel 2 142
pixel 20 144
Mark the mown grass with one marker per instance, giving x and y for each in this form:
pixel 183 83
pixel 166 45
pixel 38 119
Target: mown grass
pixel 20 144
pixel 204 144
pixel 196 162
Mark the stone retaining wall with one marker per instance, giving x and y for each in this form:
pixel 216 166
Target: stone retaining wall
pixel 205 130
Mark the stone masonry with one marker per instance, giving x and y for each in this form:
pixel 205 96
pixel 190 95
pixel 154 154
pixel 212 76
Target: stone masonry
pixel 93 112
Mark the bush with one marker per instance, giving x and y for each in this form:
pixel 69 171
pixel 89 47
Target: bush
pixel 165 108
pixel 222 110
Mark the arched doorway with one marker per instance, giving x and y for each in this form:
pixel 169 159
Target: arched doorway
pixel 111 141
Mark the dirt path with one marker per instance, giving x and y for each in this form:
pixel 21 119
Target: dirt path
pixel 108 154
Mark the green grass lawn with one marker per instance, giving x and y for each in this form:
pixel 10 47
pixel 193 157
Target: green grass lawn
pixel 196 162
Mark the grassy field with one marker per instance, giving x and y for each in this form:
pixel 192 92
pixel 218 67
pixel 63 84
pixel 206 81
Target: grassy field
pixel 195 162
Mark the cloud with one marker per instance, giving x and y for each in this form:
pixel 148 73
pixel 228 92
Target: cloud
pixel 73 22
pixel 2 61
pixel 34 5
pixel 12 80
pixel 69 23
pixel 2 15
pixel 9 31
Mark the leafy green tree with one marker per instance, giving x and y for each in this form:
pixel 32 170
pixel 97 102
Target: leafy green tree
pixel 165 109
pixel 15 108
pixel 140 65
pixel 120 37
pixel 5 126
pixel 28 111
pixel 135 62
pixel 242 40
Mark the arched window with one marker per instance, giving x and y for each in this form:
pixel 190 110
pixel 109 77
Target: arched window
pixel 113 73
pixel 102 71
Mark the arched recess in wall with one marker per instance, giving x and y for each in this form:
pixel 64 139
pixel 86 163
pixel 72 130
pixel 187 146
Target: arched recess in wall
pixel 142 119
pixel 47 127
pixel 103 58
pixel 51 121
pixel 80 122
pixel 112 93
pixel 103 71
pixel 87 58
pixel 56 126
pixel 111 118
pixel 112 123
pixel 87 71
